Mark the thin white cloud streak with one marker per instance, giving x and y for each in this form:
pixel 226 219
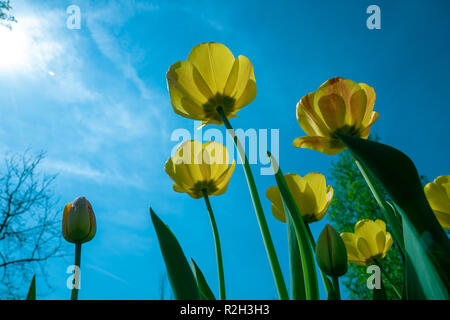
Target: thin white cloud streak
pixel 107 273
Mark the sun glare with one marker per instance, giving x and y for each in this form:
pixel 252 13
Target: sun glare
pixel 13 48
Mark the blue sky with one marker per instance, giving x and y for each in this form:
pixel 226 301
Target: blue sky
pixel 96 101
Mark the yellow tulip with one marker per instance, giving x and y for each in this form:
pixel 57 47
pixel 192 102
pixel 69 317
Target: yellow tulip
pixel 339 105
pixel 211 77
pixel 78 223
pixel 369 242
pixel 310 193
pixel 196 167
pixel 438 195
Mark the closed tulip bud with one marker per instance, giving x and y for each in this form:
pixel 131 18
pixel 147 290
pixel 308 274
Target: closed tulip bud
pixel 331 253
pixel 78 224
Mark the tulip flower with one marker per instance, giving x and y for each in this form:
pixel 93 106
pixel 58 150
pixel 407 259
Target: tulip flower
pixel 202 170
pixel 369 243
pixel 210 78
pixel 78 227
pixel 311 194
pixel 438 195
pixel 338 106
pixel 78 224
pixel 196 167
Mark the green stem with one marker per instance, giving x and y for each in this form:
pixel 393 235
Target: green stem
pixel 337 290
pixel 397 293
pixel 326 281
pixel 274 263
pixel 218 248
pixel 77 273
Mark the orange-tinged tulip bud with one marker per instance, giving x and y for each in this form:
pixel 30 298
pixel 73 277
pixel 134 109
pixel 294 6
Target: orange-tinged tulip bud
pixel 438 195
pixel 339 105
pixel 78 224
pixel 210 78
pixel 331 253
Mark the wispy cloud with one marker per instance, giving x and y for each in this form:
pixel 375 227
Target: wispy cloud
pixel 107 273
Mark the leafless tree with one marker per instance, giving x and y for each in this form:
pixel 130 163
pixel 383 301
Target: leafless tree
pixel 29 225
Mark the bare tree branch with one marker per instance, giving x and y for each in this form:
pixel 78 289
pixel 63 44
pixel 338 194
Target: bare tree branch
pixel 29 225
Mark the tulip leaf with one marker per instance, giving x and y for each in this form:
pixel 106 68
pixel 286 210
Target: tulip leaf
pixel 306 253
pixel 180 274
pixel 32 289
pixel 203 286
pixel 295 264
pixel 427 247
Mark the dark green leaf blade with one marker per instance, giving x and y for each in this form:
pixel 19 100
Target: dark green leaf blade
pixel 295 264
pixel 180 274
pixel 203 286
pixel 32 290
pixel 426 244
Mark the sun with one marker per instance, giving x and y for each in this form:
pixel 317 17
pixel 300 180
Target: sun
pixel 14 45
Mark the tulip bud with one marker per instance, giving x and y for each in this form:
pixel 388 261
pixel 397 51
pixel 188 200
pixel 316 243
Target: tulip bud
pixel 78 224
pixel 331 253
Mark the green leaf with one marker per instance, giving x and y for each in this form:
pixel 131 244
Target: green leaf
pixel 295 264
pixel 203 286
pixel 32 290
pixel 180 274
pixel 306 253
pixel 427 248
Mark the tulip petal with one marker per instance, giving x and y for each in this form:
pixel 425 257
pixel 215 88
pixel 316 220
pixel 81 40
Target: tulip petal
pixel 319 186
pixel 247 96
pixel 325 145
pixel 181 77
pixel 66 211
pixel 214 62
pixel 241 73
pixel 371 96
pixel 333 110
pixel 388 243
pixel 358 103
pixel 223 181
pixel 438 194
pixel 274 195
pixel 443 218
pixel 350 245
pixel 309 121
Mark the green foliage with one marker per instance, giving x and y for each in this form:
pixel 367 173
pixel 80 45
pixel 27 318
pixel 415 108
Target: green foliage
pixel 182 280
pixel 353 201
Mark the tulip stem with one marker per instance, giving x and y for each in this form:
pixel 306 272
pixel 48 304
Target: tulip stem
pixel 337 290
pixel 326 281
pixel 385 274
pixel 218 248
pixel 270 250
pixel 77 272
